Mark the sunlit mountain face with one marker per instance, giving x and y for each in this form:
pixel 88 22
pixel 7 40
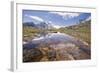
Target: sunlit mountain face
pixel 54 19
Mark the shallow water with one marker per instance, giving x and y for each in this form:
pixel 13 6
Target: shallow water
pixel 55 38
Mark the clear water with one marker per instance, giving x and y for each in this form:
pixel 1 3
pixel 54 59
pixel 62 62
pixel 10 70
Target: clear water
pixel 53 39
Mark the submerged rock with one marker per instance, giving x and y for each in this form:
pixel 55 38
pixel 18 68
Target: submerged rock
pixel 32 55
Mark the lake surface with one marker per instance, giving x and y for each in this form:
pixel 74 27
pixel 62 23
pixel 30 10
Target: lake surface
pixel 56 38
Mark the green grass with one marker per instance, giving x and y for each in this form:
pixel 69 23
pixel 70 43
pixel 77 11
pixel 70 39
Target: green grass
pixel 82 31
pixel 29 32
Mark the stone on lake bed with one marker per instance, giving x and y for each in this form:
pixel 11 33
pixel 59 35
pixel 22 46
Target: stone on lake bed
pixel 66 46
pixel 32 55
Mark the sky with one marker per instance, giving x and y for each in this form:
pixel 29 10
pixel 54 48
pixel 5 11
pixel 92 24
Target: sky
pixel 56 18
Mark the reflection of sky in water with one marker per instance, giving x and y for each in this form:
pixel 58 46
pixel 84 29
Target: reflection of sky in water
pixel 54 39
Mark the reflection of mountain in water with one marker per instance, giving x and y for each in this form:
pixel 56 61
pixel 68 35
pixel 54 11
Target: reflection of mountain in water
pixel 54 38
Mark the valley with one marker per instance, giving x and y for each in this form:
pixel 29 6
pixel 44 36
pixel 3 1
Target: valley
pixel 46 43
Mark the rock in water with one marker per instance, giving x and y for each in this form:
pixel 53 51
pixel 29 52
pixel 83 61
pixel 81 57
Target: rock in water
pixel 32 55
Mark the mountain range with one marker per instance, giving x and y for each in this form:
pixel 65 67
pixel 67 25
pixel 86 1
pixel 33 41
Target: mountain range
pixel 47 25
pixel 41 25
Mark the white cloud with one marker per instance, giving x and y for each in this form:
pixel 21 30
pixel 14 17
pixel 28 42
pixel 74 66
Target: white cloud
pixel 66 15
pixel 50 22
pixel 89 18
pixel 35 18
pixel 53 25
pixel 56 26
